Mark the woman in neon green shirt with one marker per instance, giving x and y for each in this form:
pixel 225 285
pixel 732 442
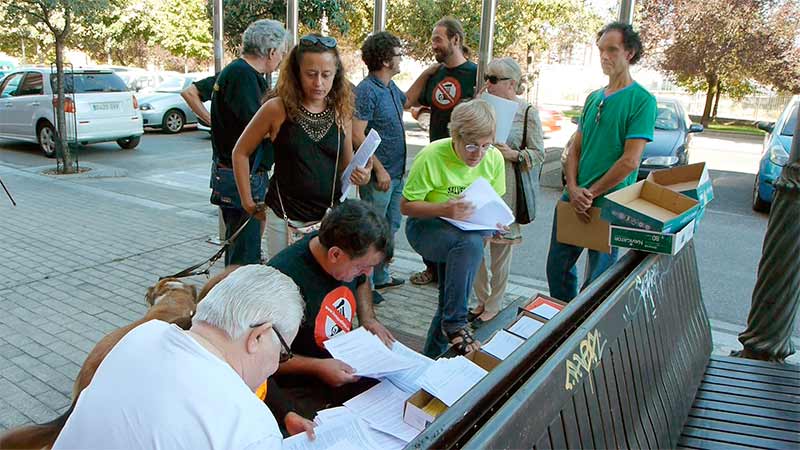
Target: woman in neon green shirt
pixel 440 173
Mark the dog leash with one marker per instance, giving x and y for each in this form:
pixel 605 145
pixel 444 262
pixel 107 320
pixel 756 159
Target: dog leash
pixel 192 271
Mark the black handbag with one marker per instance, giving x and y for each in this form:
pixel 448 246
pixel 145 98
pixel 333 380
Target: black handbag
pixel 525 206
pixel 223 184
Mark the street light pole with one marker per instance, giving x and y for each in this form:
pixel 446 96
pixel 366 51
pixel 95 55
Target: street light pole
pixel 626 11
pixel 218 52
pixel 291 21
pixel 776 297
pixel 379 18
pixel 487 37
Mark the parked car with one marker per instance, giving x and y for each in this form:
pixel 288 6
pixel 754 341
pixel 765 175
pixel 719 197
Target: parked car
pixel 777 144
pixel 98 106
pixel 671 138
pixel 164 108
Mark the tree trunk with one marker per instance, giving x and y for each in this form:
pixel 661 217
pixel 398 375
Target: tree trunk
pixel 711 81
pixel 65 156
pixel 716 100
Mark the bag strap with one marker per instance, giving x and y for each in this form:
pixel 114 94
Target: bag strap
pixel 524 144
pixel 256 162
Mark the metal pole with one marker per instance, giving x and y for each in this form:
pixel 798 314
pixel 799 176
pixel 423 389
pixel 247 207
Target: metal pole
pixel 218 51
pixel 776 297
pixel 626 11
pixel 487 37
pixel 292 22
pixel 379 18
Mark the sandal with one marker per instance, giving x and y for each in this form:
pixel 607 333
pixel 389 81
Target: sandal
pixel 422 277
pixel 462 346
pixel 473 314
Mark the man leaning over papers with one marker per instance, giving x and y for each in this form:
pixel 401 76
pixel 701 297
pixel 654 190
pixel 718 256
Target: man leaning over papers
pixel 331 269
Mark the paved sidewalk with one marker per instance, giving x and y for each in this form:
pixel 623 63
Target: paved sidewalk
pixel 75 263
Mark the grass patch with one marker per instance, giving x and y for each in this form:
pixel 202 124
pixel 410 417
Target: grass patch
pixel 741 129
pixel 570 113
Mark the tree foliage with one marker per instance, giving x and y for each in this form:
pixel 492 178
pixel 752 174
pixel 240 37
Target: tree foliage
pixel 725 44
pixel 121 34
pixel 184 29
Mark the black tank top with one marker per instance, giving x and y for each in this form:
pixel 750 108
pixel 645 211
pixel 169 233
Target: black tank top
pixel 304 172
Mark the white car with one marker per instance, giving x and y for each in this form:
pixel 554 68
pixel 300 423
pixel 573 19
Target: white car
pixel 98 106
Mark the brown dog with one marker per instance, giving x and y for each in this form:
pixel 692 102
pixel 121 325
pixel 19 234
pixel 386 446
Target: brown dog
pixel 170 300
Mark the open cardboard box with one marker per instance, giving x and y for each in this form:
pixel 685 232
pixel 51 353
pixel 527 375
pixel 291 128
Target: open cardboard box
pixel 692 180
pixel 651 241
pixel 649 206
pixel 539 300
pixel 571 230
pixel 526 313
pixel 422 408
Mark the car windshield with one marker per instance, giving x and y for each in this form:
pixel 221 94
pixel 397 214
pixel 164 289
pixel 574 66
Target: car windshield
pixel 171 85
pixel 79 83
pixel 667 117
pixel 788 127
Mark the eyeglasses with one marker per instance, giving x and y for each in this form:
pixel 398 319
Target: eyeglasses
pixel 494 79
pixel 472 148
pixel 599 110
pixel 311 40
pixel 286 351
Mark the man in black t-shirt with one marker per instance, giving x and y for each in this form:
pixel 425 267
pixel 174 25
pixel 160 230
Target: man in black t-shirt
pixel 196 94
pixel 331 270
pixel 236 98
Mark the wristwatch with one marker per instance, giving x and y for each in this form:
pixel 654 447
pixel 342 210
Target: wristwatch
pixel 260 207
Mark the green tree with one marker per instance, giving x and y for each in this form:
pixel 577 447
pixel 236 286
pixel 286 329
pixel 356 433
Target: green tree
pixel 59 17
pixel 184 29
pixel 121 34
pixel 31 43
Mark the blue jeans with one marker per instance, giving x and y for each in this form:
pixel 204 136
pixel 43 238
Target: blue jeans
pixel 246 248
pixel 562 276
pixel 457 255
pixel 388 205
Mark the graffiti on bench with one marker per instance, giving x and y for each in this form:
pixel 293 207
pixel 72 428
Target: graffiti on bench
pixel 588 356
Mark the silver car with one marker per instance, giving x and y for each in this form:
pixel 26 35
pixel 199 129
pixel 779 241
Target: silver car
pixel 164 108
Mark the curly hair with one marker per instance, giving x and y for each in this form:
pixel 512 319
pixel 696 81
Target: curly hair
pixel 379 48
pixel 630 39
pixel 290 89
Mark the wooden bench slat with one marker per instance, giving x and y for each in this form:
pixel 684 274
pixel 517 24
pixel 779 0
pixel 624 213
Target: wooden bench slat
pixel 747 410
pixel 737 439
pixel 789 408
pixel 784 376
pixel 707 444
pixel 581 406
pixel 753 385
pixel 748 392
pixel 775 381
pixel 792 368
pixel 744 419
pixel 738 428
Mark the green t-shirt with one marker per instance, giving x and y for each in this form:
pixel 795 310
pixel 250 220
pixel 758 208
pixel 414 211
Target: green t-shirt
pixel 443 91
pixel 629 113
pixel 438 174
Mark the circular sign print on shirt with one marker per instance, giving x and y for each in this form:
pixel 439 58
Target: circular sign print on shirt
pixel 447 93
pixel 335 314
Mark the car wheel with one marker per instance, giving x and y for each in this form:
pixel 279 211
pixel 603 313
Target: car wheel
pixel 173 121
pixel 46 136
pixel 758 204
pixel 129 142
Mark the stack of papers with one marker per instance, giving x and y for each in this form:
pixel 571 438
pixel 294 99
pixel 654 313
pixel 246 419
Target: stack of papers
pixel 340 433
pixel 339 418
pixel 366 354
pixel 448 379
pixel 360 159
pixel 490 209
pixel 408 380
pixel 525 327
pixel 545 310
pixel 382 408
pixel 502 344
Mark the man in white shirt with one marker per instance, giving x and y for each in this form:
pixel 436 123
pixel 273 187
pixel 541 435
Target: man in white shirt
pixel 165 388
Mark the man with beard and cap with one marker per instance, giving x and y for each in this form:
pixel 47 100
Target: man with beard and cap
pixel 441 87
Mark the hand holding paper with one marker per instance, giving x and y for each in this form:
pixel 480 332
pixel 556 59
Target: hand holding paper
pixel 489 209
pixel 360 159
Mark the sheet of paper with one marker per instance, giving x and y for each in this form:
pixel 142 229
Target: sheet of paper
pixel 382 407
pixel 365 353
pixel 360 159
pixel 490 209
pixel 331 414
pixel 502 344
pixel 545 311
pixel 408 380
pixel 340 413
pixel 342 434
pixel 450 378
pixel 525 327
pixel 504 111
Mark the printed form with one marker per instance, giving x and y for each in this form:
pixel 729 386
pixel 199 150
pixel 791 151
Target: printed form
pixel 449 379
pixel 366 353
pixel 408 380
pixel 525 327
pixel 502 344
pixel 360 159
pixel 490 209
pixel 382 408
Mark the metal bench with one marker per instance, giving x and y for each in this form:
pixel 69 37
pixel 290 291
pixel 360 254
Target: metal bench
pixel 625 365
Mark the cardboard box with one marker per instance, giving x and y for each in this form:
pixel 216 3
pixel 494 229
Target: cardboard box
pixel 649 206
pixel 538 300
pixel 692 180
pixel 422 408
pixel 651 241
pixel 571 230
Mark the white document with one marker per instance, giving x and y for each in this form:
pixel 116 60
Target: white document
pixel 366 353
pixel 502 344
pixel 504 112
pixel 448 379
pixel 408 380
pixel 490 209
pixel 545 311
pixel 382 408
pixel 525 327
pixel 331 414
pixel 360 159
pixel 342 434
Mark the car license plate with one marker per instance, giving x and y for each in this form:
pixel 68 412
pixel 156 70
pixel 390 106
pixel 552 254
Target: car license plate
pixel 113 106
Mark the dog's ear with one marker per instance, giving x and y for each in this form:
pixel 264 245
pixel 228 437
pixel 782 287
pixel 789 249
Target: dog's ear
pixel 149 297
pixel 183 322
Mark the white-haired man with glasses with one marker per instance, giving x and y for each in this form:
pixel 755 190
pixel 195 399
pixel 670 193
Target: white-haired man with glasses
pixel 617 121
pixel 163 387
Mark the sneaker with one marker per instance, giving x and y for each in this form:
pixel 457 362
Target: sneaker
pixel 377 298
pixel 393 282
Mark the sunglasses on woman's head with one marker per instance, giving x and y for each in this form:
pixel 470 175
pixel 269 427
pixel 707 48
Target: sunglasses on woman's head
pixel 494 79
pixel 311 40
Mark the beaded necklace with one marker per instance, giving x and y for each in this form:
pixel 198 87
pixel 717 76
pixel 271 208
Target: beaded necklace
pixel 316 125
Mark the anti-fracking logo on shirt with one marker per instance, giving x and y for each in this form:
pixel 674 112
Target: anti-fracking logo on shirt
pixel 335 315
pixel 447 93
